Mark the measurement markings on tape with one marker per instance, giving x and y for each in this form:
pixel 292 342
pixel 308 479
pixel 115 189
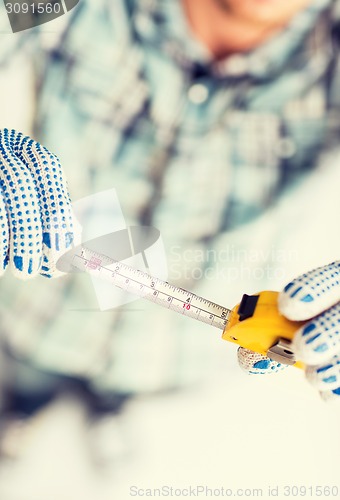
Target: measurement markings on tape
pixel 151 288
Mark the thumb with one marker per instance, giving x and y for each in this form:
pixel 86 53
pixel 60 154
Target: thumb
pixel 254 363
pixel 311 293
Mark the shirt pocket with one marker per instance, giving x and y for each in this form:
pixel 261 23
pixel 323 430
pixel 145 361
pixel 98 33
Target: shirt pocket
pixel 110 88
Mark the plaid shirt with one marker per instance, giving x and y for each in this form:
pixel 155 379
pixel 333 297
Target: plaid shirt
pixel 127 99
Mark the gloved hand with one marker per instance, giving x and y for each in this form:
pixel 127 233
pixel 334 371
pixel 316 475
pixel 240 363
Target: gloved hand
pixel 36 222
pixel 315 295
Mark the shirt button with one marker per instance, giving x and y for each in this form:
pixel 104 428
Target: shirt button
pixel 198 93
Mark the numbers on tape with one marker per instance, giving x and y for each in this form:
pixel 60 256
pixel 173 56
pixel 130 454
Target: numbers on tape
pixel 151 288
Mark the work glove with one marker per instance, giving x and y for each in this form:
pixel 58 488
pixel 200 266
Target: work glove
pixel 314 296
pixel 36 221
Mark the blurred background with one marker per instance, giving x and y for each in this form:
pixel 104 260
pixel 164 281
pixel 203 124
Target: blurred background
pixel 212 424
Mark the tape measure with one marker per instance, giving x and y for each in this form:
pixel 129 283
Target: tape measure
pixel 255 323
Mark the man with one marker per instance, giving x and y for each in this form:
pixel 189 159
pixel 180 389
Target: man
pixel 144 96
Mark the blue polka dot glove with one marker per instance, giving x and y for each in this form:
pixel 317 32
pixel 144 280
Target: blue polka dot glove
pixel 314 296
pixel 36 222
